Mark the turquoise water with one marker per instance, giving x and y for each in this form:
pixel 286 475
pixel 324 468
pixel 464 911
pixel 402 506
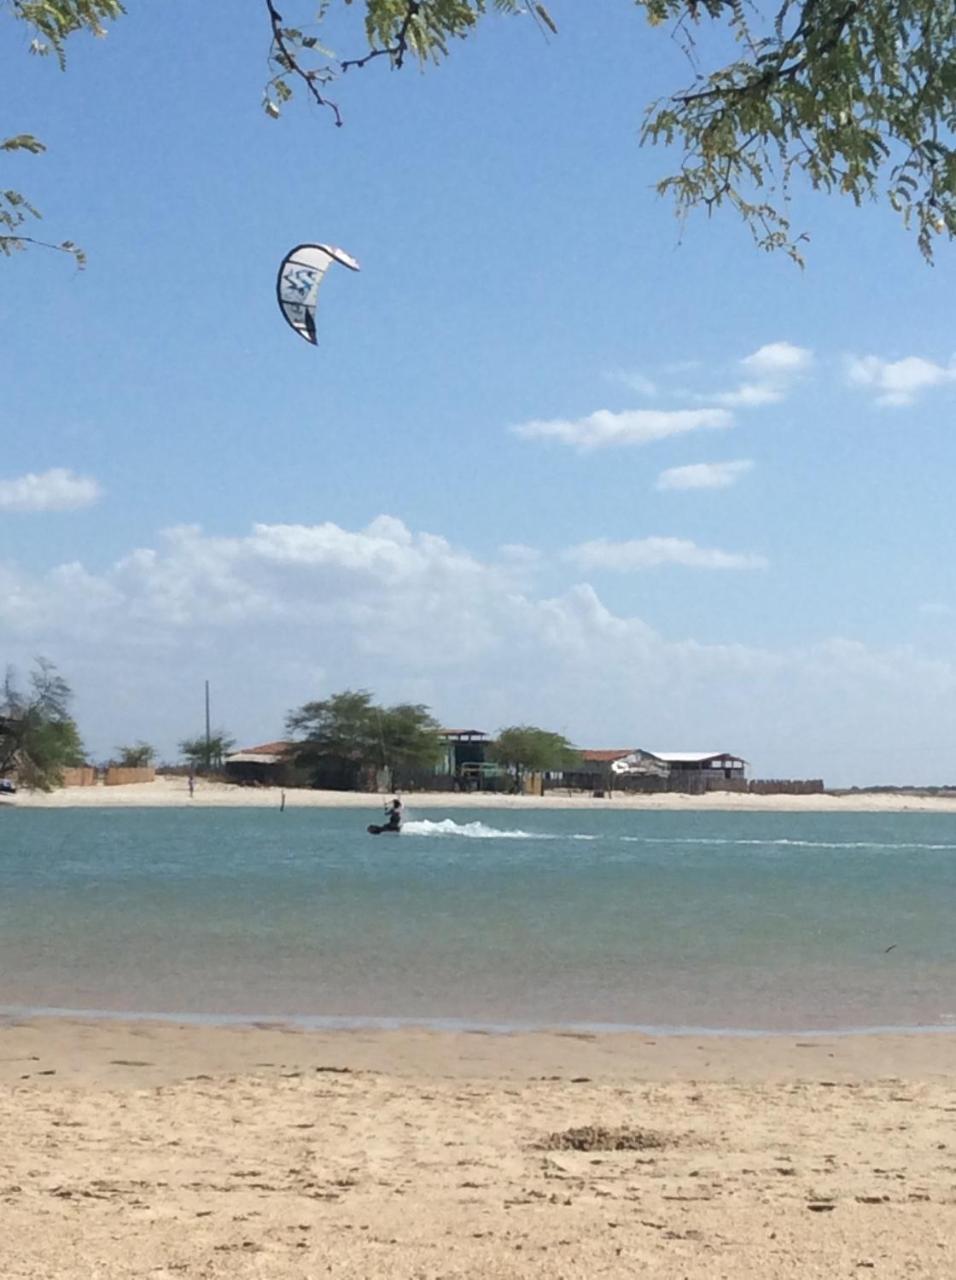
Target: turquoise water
pixel 665 920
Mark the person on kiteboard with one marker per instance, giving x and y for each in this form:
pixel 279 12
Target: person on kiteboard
pixel 394 813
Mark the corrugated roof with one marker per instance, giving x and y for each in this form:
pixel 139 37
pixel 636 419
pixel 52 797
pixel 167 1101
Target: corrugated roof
pixel 692 757
pixel 264 753
pixel 461 733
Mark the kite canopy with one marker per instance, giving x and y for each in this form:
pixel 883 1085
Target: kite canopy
pixel 297 287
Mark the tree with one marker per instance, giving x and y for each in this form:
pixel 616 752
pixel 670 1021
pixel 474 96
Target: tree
pixel 38 736
pixel 341 737
pixel 203 755
pixel 524 748
pixel 334 738
pixel 409 739
pixel 857 96
pixel 140 756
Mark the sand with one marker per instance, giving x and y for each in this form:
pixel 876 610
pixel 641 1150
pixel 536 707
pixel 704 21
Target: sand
pixel 165 792
pixel 164 1151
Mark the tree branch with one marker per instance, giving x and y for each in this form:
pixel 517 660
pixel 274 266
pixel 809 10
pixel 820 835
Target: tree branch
pixel 778 72
pixel 398 50
pixel 68 247
pixel 290 63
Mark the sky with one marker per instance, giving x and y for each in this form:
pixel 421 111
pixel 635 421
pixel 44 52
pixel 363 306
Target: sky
pixel 555 460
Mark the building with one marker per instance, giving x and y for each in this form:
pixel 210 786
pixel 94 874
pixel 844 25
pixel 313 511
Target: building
pixel 633 768
pixel 465 751
pixel 602 758
pixel 266 765
pixel 704 765
pixel 623 761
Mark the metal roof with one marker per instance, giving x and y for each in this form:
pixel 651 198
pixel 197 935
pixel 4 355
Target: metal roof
pixel 253 757
pixel 264 753
pixel 692 757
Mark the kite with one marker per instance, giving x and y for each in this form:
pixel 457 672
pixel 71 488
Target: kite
pixel 297 287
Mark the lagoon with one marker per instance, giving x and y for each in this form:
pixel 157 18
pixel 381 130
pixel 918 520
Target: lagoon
pixel 741 922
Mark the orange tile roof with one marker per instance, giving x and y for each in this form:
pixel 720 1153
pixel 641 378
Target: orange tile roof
pixel 606 756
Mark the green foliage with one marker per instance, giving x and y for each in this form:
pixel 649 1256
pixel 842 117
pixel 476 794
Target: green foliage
pixel 524 748
pixel 340 737
pixel 341 727
pixel 205 756
pixel 859 96
pixel 394 30
pixel 139 756
pixel 409 737
pixel 51 22
pixel 38 736
pixel 426 28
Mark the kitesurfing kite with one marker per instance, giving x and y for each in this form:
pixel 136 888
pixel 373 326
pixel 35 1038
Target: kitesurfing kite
pixel 297 287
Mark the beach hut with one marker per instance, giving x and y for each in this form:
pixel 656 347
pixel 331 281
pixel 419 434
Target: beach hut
pixel 463 748
pixel 706 766
pixel 266 765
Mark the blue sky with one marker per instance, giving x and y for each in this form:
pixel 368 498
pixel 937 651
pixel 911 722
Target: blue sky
pixel 519 276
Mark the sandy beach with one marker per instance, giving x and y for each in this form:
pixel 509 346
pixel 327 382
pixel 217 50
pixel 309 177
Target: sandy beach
pixel 166 792
pixel 169 1151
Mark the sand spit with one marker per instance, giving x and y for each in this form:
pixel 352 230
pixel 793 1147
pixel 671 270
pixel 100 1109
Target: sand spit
pixel 132 1150
pixel 165 792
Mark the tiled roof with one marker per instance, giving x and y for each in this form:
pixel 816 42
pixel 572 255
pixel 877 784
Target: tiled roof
pixel 606 756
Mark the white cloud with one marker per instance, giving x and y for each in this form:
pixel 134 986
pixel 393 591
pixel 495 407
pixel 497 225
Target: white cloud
pixel 631 427
pixel 898 382
pixel 770 371
pixel 777 360
pixel 704 475
pixel 749 395
pixel 650 553
pixel 285 613
pixel 54 490
pixel 937 609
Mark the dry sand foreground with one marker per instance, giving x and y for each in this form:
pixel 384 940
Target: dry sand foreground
pixel 166 792
pixel 161 1151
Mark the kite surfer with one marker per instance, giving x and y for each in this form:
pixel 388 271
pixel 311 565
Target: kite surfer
pixel 394 816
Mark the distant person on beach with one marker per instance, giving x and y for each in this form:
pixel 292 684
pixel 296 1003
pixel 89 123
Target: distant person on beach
pixel 394 815
pixel 192 784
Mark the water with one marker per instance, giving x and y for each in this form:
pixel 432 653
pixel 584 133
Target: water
pixel 494 918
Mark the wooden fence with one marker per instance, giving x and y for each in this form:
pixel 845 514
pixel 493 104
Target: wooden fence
pixel 119 777
pixel 786 786
pixel 83 776
pixel 694 784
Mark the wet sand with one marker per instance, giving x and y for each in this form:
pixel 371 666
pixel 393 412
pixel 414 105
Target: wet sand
pixel 152 1149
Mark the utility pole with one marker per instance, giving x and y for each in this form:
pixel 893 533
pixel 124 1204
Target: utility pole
pixel 208 738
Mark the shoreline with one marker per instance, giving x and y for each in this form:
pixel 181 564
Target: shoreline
pixel 335 1024
pixel 174 793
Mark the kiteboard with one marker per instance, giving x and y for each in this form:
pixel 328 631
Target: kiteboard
pixel 374 830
